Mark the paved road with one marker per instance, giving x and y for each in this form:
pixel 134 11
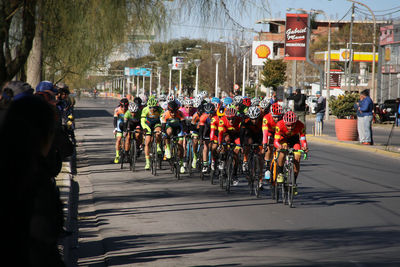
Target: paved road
pixel 346 214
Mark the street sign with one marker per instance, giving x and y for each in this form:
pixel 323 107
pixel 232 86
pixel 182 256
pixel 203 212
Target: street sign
pixel 177 62
pixel 236 86
pixel 261 51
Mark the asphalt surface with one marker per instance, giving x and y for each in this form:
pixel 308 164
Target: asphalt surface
pixel 346 213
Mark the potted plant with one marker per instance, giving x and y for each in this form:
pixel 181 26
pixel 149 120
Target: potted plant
pixel 346 123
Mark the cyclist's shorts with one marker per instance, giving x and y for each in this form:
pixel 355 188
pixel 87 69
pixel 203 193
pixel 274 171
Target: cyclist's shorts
pixel 153 123
pixel 233 137
pixel 133 125
pixel 293 142
pixel 177 129
pixel 256 137
pixel 120 126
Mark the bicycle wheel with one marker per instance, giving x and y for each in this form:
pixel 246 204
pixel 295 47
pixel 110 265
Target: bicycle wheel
pixel 250 173
pixel 122 152
pixel 133 155
pixel 257 172
pixel 189 156
pixel 154 157
pixel 284 187
pixel 229 173
pixel 176 162
pixel 290 184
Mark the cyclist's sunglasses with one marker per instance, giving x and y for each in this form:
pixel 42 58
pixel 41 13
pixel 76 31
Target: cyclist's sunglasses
pixel 230 118
pixel 153 107
pixel 290 125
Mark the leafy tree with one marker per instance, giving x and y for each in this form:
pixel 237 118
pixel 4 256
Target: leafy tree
pixel 17 30
pixel 274 73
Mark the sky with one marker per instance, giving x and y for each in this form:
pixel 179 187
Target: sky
pixel 188 27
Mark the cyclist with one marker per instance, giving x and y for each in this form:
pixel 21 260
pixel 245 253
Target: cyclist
pixel 173 124
pixel 243 107
pixel 290 133
pixel 204 131
pixel 119 114
pixel 132 122
pixel 268 128
pixel 228 132
pixel 150 122
pixel 188 112
pixel 250 134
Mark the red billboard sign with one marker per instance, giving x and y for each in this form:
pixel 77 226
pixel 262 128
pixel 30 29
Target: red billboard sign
pixel 296 36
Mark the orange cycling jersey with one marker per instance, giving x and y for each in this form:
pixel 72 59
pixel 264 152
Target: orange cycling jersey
pixel 282 134
pixel 167 116
pixel 225 126
pixel 268 127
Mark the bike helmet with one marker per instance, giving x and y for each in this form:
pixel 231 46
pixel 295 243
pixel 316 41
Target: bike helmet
pixel 133 107
pixel 231 106
pixel 124 102
pixel 209 108
pixel 162 98
pixel 144 98
pixel 230 112
pixel 197 102
pixel 173 106
pixel 181 99
pixel 215 100
pixel 264 104
pixel 170 98
pixel 253 113
pixel 255 101
pixel 290 117
pixel 246 102
pixel 237 99
pixel 188 102
pixel 137 101
pixel 220 110
pixel 44 86
pixel 227 101
pixel 152 102
pixel 203 93
pixel 276 109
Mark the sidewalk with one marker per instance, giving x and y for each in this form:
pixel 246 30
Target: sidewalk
pixel 380 132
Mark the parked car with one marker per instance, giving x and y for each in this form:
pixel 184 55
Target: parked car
pixel 311 104
pixel 386 111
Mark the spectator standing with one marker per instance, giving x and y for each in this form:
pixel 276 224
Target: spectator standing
pixel 320 109
pixel 30 199
pixel 364 109
pixel 299 105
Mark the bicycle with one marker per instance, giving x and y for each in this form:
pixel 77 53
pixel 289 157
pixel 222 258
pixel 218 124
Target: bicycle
pixel 174 160
pixel 288 172
pixel 254 169
pixel 133 154
pixel 274 186
pixel 154 156
pixel 226 169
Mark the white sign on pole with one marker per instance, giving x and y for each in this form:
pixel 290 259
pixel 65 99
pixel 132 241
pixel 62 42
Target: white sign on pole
pixel 261 51
pixel 177 62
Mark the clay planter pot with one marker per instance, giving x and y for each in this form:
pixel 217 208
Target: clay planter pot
pixel 346 129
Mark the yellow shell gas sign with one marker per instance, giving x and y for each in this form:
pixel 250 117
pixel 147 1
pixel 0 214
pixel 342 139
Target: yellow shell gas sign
pixel 261 51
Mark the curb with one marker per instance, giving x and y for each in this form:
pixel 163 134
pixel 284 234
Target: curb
pixel 371 149
pixel 69 194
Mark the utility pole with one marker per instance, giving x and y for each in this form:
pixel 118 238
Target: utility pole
pixel 350 47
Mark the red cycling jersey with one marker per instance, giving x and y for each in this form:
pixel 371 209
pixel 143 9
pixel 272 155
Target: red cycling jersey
pixel 214 128
pixel 268 127
pixel 282 135
pixel 225 126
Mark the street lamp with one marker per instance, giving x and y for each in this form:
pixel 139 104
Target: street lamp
pixel 159 69
pixel 170 77
pixel 217 57
pixel 197 63
pixel 374 93
pixel 244 69
pixel 180 66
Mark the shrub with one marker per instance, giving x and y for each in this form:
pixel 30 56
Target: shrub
pixel 343 106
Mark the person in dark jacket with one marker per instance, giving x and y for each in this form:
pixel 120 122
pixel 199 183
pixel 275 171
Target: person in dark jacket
pixel 320 108
pixel 299 105
pixel 364 109
pixel 31 203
